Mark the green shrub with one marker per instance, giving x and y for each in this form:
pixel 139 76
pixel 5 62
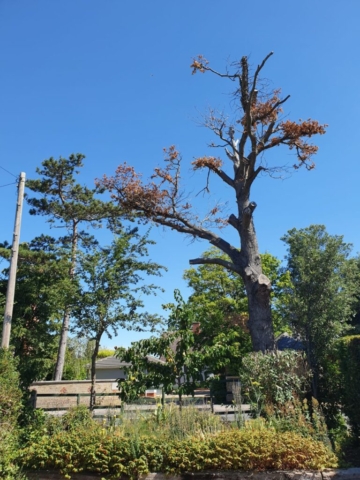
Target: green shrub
pixel 77 417
pixel 42 425
pixel 349 362
pixel 300 418
pixel 10 393
pixel 95 450
pixel 273 379
pixel 10 408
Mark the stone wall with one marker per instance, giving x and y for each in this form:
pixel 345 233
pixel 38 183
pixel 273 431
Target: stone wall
pixel 328 474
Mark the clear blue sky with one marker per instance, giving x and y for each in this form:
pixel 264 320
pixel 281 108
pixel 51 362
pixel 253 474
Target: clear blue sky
pixel 111 79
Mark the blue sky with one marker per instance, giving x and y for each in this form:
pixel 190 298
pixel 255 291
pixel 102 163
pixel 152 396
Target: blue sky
pixel 111 79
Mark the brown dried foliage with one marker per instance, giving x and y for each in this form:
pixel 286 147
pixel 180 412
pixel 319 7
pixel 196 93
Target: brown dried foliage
pixel 267 111
pixel 127 188
pixel 291 136
pixel 213 163
pixel 260 128
pixel 199 64
pixel 160 198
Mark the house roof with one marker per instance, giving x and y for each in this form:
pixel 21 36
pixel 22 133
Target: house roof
pixel 110 363
pixel 285 341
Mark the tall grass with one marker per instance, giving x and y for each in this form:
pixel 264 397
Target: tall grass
pixel 167 422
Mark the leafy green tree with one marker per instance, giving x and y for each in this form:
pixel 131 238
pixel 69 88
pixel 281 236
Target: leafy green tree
pixel 66 204
pixel 218 293
pixel 112 285
pixel 183 365
pixel 168 361
pixel 220 304
pixel 77 358
pixel 355 322
pixel 42 290
pixel 321 297
pixel 215 289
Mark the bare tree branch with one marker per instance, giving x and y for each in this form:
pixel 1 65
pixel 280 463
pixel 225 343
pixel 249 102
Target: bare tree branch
pixel 214 261
pixel 258 70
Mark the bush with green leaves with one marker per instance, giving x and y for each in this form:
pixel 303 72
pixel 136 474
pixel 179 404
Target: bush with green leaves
pixel 349 366
pixel 39 424
pixel 10 409
pixel 273 378
pixel 277 384
pixel 94 449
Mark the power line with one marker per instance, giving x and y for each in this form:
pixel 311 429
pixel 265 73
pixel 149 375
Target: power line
pixel 8 172
pixel 6 184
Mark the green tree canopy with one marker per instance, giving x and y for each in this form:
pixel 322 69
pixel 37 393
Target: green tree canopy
pixel 66 203
pixel 322 294
pixel 112 286
pixel 184 363
pixel 43 288
pixel 219 295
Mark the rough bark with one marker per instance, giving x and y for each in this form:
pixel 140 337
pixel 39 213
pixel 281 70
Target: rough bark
pixel 258 286
pixel 260 324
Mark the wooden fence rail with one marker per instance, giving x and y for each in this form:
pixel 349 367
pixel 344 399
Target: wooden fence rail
pixel 34 396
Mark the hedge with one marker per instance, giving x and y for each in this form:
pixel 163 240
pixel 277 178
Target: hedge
pixel 96 450
pixel 349 362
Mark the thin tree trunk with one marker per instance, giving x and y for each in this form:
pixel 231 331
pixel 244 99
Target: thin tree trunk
pixel 179 393
pixel 60 361
pixel 311 358
pixel 180 402
pixel 93 374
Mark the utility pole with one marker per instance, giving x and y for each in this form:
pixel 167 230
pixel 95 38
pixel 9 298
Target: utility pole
pixel 10 294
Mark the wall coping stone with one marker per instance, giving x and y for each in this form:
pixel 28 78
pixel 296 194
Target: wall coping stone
pixel 327 474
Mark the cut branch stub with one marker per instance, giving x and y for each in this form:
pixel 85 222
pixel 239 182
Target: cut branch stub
pixel 264 282
pixel 234 221
pixel 248 211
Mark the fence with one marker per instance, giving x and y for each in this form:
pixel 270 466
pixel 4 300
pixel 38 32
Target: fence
pixel 62 395
pixel 75 399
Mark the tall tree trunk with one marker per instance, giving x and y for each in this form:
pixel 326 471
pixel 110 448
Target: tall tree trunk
pixel 60 361
pixel 93 374
pixel 258 286
pixel 260 323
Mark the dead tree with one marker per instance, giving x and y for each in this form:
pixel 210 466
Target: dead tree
pixel 259 127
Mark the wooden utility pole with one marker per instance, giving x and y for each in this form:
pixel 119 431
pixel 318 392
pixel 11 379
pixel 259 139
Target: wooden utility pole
pixel 10 294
